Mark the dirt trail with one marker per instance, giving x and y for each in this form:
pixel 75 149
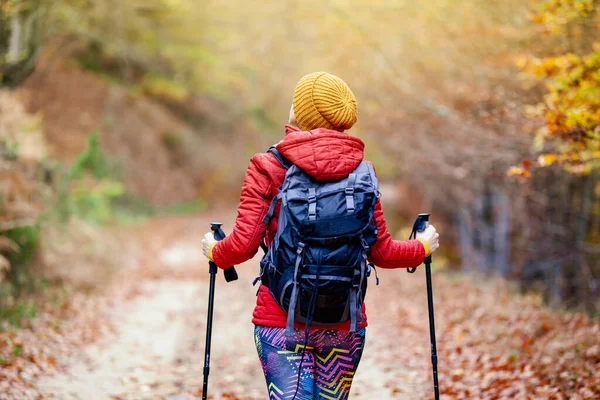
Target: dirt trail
pixel 158 346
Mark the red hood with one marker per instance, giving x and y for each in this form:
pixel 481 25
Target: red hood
pixel 324 154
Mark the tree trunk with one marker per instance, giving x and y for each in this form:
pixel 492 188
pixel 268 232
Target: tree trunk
pixel 20 39
pixel 501 233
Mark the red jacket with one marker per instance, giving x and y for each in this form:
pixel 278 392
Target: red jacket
pixel 325 155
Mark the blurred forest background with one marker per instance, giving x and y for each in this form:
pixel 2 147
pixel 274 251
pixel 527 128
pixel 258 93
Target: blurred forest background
pixel 484 112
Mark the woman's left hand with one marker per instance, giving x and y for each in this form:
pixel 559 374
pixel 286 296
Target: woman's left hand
pixel 207 242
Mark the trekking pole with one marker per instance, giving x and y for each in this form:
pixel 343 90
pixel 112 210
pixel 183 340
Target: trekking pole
pixel 230 275
pixel 419 226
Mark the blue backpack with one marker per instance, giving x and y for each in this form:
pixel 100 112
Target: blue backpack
pixel 316 266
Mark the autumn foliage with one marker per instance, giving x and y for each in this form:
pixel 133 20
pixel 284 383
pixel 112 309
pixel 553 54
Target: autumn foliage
pixel 485 113
pixel 571 106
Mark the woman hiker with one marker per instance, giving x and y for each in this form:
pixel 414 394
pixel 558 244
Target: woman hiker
pixel 308 360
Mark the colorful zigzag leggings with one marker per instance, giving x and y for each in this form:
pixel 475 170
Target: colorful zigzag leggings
pixel 329 364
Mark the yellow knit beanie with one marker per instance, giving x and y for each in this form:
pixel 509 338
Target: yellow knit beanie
pixel 322 100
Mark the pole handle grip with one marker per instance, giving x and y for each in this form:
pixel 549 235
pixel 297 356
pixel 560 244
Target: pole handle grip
pixel 229 273
pixel 419 226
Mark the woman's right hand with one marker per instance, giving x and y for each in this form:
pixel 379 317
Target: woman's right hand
pixel 431 236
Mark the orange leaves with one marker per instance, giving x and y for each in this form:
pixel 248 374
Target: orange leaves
pixel 521 171
pixel 512 349
pixel 545 160
pixel 576 162
pixel 35 350
pixel 571 104
pixel 518 171
pixel 539 18
pixel 554 14
pixel 571 108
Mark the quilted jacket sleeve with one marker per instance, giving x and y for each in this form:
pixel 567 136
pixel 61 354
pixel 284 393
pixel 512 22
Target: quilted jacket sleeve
pixel 249 230
pixel 389 253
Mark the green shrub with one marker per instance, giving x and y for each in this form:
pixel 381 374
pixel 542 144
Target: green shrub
pixel 89 189
pixel 17 280
pixel 22 311
pixel 95 203
pixel 94 160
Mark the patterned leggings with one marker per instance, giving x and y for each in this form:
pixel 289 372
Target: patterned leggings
pixel 329 364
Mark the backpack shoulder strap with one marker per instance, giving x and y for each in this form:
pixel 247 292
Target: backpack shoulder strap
pixel 285 163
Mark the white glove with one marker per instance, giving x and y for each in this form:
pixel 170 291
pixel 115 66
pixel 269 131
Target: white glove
pixel 432 238
pixel 207 242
